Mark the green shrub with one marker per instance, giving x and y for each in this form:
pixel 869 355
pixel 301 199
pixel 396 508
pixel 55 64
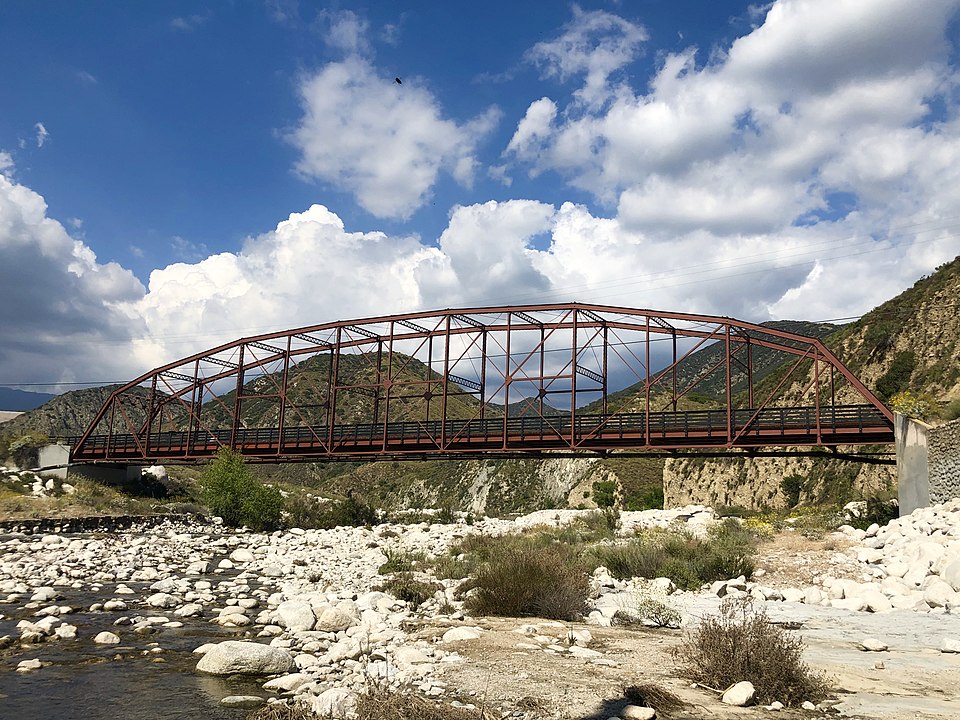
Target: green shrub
pixel 303 510
pixel 599 524
pixel 24 450
pixel 690 562
pixel 605 493
pixel 897 376
pixel 648 610
pixel 952 410
pixel 400 561
pixel 650 499
pixel 410 588
pixel 739 643
pixel 349 512
pixel 915 405
pixel 522 577
pixel 792 486
pixel 879 510
pixel 231 491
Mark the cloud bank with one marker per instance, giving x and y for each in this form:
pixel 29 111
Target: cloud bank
pixel 809 170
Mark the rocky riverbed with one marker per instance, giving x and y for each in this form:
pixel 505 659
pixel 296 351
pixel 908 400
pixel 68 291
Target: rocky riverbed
pixel 159 620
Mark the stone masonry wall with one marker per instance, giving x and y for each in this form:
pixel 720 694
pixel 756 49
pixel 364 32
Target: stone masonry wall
pixel 943 461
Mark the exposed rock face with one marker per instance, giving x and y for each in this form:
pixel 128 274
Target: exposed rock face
pixel 756 483
pixel 235 657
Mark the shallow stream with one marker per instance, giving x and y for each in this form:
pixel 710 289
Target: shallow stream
pixel 86 681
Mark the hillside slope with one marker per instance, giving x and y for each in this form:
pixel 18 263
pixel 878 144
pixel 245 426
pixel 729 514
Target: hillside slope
pixel 911 342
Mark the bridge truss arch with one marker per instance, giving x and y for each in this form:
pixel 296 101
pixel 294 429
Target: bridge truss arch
pixel 493 381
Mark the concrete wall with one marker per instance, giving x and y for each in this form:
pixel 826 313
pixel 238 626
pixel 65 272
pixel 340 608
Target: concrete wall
pixel 943 461
pixel 54 457
pixel 913 480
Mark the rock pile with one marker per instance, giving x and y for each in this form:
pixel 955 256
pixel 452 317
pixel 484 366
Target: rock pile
pixel 31 484
pixel 912 563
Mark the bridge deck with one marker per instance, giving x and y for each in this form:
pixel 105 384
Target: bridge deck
pixel 744 428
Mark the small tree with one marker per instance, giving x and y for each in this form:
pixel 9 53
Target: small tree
pixel 24 450
pixel 231 491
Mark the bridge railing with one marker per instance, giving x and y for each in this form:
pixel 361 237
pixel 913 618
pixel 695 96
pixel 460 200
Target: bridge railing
pixel 745 427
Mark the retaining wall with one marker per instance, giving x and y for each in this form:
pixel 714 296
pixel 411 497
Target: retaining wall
pixel 943 461
pixel 928 462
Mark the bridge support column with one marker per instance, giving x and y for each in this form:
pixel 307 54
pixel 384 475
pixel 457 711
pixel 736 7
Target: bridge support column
pixel 913 474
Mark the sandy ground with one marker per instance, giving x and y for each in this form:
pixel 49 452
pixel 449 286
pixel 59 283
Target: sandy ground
pixel 913 679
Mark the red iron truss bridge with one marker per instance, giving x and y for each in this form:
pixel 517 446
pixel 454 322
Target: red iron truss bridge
pixel 513 381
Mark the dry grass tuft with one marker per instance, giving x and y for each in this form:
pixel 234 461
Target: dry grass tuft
pixel 383 703
pixel 648 695
pixel 282 711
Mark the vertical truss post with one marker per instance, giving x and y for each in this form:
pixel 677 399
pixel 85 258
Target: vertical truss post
pixel 605 387
pixel 816 392
pixel 446 382
pixel 646 385
pixel 388 383
pixel 334 383
pixel 728 387
pixel 113 415
pixel 573 379
pixel 673 335
pixel 429 374
pixel 376 392
pixel 506 380
pixel 750 372
pixel 540 393
pixel 193 424
pixel 483 371
pixel 282 420
pixel 833 389
pixel 235 426
pixel 151 410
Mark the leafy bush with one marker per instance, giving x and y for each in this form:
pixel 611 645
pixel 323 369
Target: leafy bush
pixel 915 405
pixel 878 510
pixel 24 449
pixel 349 512
pixel 952 410
pixel 410 588
pixel 648 610
pixel 727 552
pixel 650 499
pixel 605 493
pixel 739 643
pixel 792 486
pixel 897 376
pixel 522 577
pixel 600 524
pixel 400 561
pixel 231 491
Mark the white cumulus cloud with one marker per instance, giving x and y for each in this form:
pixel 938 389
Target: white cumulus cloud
pixel 384 142
pixel 64 314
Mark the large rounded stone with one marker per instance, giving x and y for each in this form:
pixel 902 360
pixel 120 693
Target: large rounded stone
pixel 951 574
pixel 296 615
pixel 335 619
pixel 740 694
pixel 235 657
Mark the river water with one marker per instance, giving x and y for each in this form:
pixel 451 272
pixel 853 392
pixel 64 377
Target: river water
pixel 85 681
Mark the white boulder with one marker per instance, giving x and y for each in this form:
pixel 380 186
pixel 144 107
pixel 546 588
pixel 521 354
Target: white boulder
pixel 235 657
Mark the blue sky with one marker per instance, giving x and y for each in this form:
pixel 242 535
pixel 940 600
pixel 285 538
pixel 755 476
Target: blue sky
pixel 178 174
